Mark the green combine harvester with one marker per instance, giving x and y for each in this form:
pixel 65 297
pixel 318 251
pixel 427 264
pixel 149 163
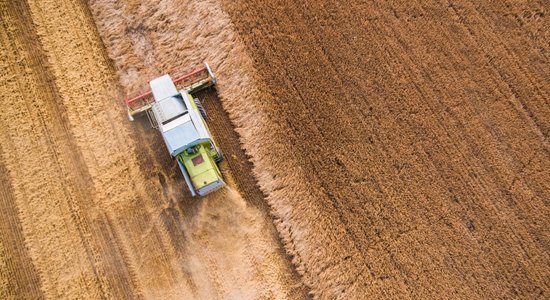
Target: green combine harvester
pixel 180 118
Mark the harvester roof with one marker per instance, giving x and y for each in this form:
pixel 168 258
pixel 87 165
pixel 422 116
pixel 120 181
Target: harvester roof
pixel 180 125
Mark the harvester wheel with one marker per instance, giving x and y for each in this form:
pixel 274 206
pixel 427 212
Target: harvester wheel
pixel 201 109
pixel 219 158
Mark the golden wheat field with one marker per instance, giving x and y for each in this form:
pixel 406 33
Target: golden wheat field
pixel 373 149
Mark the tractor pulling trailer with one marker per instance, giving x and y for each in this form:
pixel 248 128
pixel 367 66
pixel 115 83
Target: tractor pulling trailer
pixel 180 118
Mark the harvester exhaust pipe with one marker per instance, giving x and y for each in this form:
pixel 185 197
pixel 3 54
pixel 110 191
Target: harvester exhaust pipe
pixel 211 74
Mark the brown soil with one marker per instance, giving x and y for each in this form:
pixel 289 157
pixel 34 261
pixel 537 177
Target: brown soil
pixel 92 206
pixel 404 146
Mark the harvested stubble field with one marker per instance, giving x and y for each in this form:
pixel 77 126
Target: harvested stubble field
pixel 402 146
pixel 91 205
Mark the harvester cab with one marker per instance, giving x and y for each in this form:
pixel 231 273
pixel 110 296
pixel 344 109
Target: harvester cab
pixel 180 118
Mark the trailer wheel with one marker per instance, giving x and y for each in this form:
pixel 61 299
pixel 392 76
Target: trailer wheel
pixel 201 109
pixel 220 156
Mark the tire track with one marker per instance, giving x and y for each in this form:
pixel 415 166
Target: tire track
pixel 18 270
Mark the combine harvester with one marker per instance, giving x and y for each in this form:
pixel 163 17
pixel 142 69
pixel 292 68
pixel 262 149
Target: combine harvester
pixel 180 118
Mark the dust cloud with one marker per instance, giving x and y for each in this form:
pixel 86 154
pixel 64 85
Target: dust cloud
pixel 223 246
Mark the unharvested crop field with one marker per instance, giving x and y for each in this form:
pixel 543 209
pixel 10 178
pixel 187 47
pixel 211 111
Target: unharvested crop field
pixel 376 149
pixel 414 136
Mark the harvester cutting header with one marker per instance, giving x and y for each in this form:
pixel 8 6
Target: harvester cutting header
pixel 180 118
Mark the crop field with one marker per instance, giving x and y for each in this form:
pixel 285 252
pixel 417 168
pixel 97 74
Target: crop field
pixel 92 206
pixel 418 138
pixel 382 149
